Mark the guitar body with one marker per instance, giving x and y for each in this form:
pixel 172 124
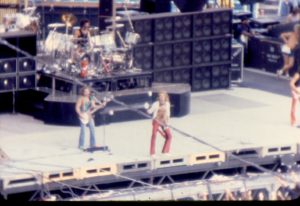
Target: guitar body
pixel 87 116
pixel 85 119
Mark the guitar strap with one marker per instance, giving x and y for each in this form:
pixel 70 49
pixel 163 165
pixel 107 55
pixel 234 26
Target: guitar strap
pixel 83 106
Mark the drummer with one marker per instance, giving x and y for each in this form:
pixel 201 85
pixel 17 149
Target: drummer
pixel 82 36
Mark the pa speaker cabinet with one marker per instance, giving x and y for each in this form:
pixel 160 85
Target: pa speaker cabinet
pixel 190 5
pixel 155 6
pixel 24 40
pixel 106 11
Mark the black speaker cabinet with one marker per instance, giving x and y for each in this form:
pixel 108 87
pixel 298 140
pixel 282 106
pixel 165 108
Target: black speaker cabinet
pixel 7 83
pixel 155 6
pixel 25 41
pixel 190 5
pixel 8 66
pixel 105 13
pixel 27 81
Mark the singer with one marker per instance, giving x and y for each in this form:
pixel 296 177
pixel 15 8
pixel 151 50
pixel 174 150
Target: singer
pixel 85 107
pixel 161 116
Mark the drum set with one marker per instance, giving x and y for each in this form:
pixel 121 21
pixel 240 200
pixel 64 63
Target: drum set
pixel 28 20
pixel 99 56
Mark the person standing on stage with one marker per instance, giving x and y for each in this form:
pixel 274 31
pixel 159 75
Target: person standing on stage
pixel 285 8
pixel 85 106
pixel 295 91
pixel 161 116
pixel 291 41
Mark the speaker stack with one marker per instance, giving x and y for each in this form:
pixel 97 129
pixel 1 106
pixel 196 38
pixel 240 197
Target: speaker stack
pixel 106 8
pixel 17 72
pixel 192 48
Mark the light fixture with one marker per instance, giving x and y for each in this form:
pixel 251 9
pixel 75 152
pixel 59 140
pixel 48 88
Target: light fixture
pixel 6 66
pixel 146 105
pixel 111 112
pixel 25 80
pixel 25 64
pixel 5 82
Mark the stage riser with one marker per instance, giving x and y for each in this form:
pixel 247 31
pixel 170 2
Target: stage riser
pixel 136 169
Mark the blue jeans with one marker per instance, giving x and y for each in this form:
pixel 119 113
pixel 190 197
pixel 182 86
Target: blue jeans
pixel 91 126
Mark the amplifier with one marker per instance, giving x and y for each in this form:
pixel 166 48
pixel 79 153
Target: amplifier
pixel 237 63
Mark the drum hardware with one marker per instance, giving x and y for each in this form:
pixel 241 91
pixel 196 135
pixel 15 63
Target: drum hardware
pixel 111 19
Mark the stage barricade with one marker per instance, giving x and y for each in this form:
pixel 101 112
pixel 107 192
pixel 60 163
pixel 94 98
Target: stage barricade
pixel 134 166
pixel 19 180
pixel 207 157
pixel 170 161
pixel 97 170
pixel 279 150
pixel 58 176
pixel 250 152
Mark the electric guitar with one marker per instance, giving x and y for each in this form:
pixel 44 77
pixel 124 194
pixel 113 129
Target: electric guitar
pixel 86 117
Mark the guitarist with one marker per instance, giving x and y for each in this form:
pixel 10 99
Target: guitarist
pixel 85 107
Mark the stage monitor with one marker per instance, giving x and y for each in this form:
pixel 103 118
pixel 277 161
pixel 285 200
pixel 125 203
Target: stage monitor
pixel 190 5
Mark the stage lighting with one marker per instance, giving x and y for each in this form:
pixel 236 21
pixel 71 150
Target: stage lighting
pixel 111 112
pixel 146 105
pixel 150 93
pixel 25 64
pixel 25 80
pixel 5 82
pixel 6 65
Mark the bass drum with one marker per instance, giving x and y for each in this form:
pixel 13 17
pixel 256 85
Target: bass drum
pixel 51 42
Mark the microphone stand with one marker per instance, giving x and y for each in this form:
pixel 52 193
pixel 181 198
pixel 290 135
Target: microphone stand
pixel 13 100
pixel 104 147
pixel 132 30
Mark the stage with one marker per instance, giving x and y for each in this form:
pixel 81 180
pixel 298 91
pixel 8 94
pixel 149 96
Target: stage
pixel 243 118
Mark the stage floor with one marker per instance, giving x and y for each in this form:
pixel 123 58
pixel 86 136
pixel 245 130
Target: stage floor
pixel 240 117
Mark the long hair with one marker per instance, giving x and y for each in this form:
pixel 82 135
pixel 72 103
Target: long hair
pixel 297 30
pixel 81 92
pixel 167 98
pixel 83 22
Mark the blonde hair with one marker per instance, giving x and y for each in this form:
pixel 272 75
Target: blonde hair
pixel 165 94
pixel 82 90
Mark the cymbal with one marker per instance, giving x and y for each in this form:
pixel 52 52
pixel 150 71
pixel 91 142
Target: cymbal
pixel 28 9
pixel 55 25
pixel 69 19
pixel 111 19
pixel 117 26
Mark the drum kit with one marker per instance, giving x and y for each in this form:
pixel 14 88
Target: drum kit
pixel 27 20
pixel 100 55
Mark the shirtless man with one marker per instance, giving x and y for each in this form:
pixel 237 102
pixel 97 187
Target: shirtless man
pixel 291 41
pixel 161 115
